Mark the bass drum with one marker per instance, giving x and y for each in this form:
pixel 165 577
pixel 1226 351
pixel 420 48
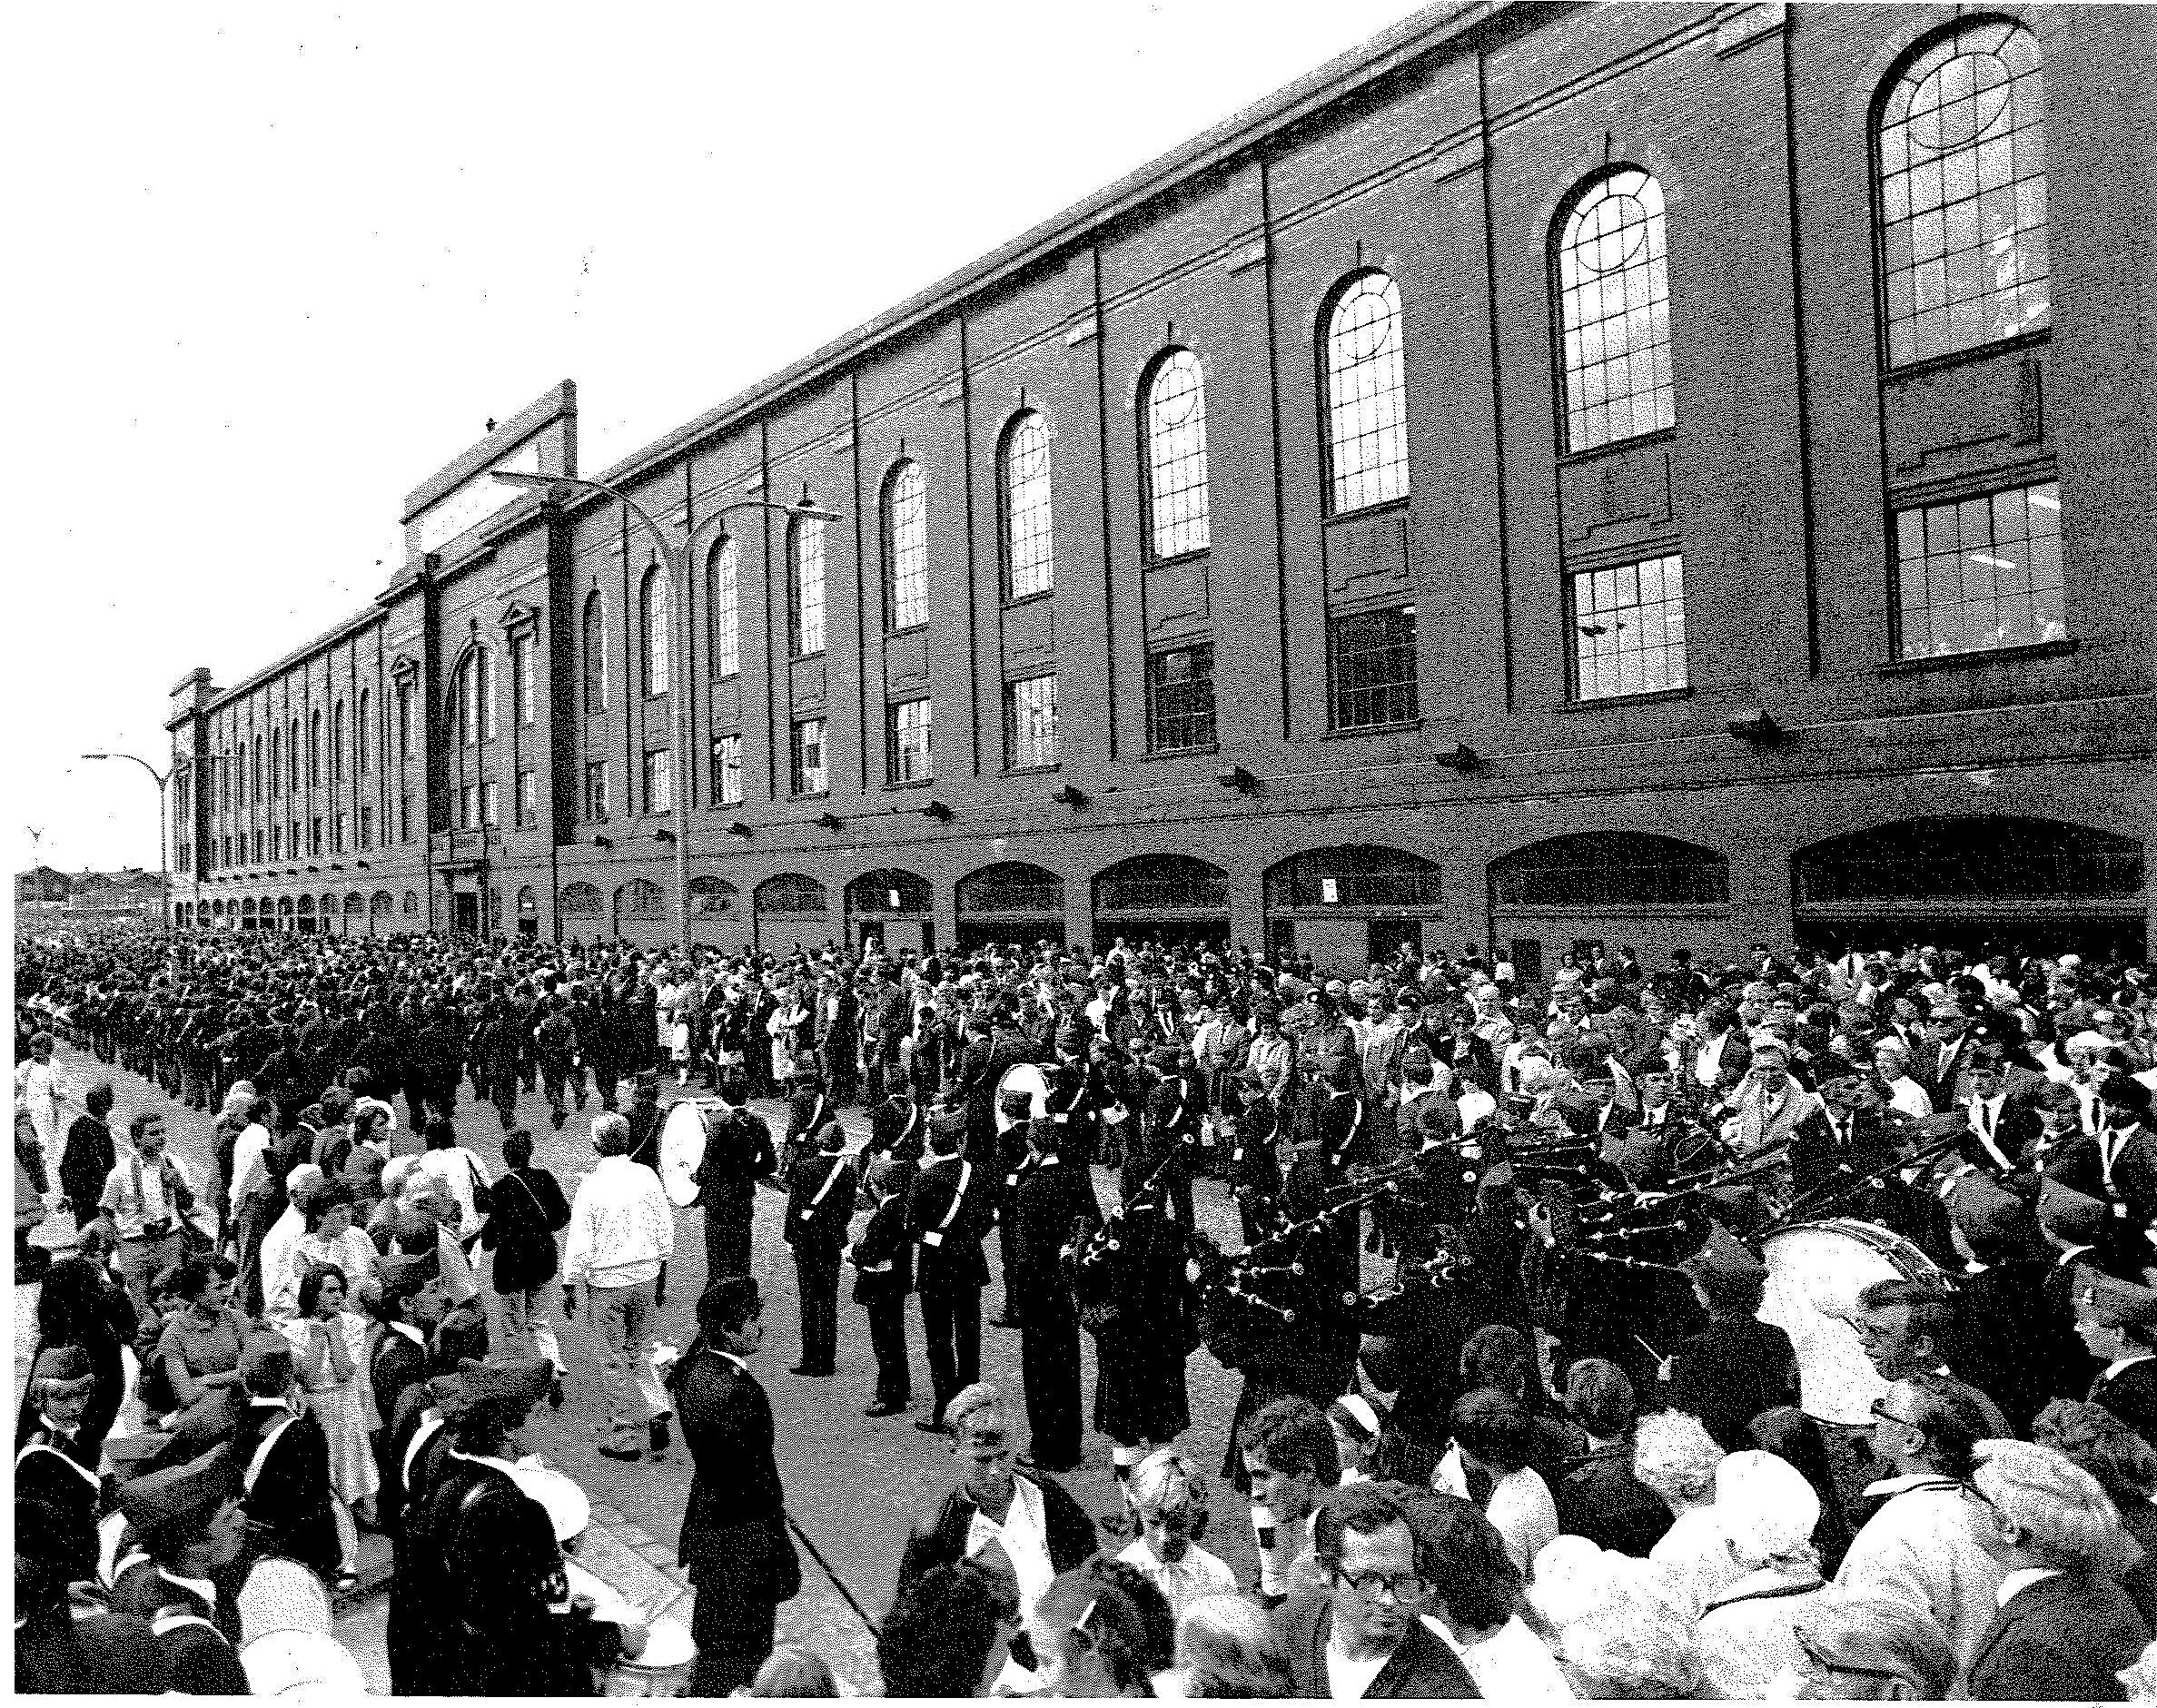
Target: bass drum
pixel 1815 1271
pixel 681 1147
pixel 1026 1078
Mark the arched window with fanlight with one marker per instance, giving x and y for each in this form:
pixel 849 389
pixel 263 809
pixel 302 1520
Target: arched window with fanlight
pixel 1023 487
pixel 1366 396
pixel 595 653
pixel 654 631
pixel 1965 255
pixel 805 586
pixel 905 547
pixel 1178 510
pixel 1613 284
pixel 722 600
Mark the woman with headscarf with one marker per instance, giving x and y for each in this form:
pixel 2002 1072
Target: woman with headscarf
pixel 1766 1511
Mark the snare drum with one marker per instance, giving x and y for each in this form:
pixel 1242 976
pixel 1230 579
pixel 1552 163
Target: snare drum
pixel 664 1667
pixel 1815 1271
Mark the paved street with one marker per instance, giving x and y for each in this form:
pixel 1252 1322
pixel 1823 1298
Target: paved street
pixel 853 1483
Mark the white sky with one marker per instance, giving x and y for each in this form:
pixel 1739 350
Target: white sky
pixel 273 265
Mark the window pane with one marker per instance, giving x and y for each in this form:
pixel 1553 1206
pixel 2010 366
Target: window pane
pixel 805 586
pixel 1180 700
pixel 658 633
pixel 1373 656
pixel 1961 153
pixel 1628 630
pixel 658 781
pixel 906 546
pixel 1980 574
pixel 810 775
pixel 725 601
pixel 1030 722
pixel 1366 396
pixel 1029 542
pixel 1614 308
pixel 1178 519
pixel 726 770
pixel 908 735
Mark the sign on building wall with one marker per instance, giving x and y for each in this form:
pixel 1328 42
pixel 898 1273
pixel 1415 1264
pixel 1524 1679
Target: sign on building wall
pixel 469 505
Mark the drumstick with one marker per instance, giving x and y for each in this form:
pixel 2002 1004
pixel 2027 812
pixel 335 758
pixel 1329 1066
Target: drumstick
pixel 1650 1351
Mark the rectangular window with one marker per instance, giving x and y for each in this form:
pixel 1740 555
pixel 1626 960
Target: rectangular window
pixel 1030 723
pixel 1980 574
pixel 291 840
pixel 228 851
pixel 490 803
pixel 726 770
pixel 1373 656
pixel 594 791
pixel 1628 629
pixel 725 607
pixel 658 781
pixel 811 776
pixel 315 835
pixel 528 799
pixel 908 757
pixel 468 806
pixel 338 826
pixel 258 847
pixel 366 828
pixel 404 721
pixel 277 841
pixel 404 817
pixel 805 587
pixel 1180 698
pixel 520 680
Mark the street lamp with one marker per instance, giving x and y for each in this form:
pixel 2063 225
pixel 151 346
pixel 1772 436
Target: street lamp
pixel 165 875
pixel 675 561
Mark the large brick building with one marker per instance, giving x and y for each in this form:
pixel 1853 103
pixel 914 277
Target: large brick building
pixel 1656 472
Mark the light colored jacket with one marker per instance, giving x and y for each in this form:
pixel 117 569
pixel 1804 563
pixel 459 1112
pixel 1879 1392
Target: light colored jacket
pixel 1918 1548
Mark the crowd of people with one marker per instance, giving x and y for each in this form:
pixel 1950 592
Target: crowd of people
pixel 1785 1328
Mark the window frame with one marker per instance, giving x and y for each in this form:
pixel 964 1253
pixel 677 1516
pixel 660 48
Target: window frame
pixel 1330 475
pixel 658 782
pixel 1155 657
pixel 895 716
pixel 1024 420
pixel 1996 485
pixel 797 775
pixel 1569 602
pixel 1334 724
pixel 798 603
pixel 721 769
pixel 898 574
pixel 598 803
pixel 595 688
pixel 1011 762
pixel 1151 463
pixel 655 633
pixel 723 594
pixel 1568 210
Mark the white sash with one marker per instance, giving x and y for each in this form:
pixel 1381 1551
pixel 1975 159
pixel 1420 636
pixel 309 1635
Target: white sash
pixel 934 1237
pixel 830 1181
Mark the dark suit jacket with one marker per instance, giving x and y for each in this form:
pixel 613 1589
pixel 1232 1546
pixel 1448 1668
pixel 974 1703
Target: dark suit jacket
pixel 2015 1342
pixel 2131 1397
pixel 818 1228
pixel 939 1535
pixel 1422 1667
pixel 1730 1373
pixel 1047 1202
pixel 291 1496
pixel 883 1240
pixel 1601 1499
pixel 733 1537
pixel 954 1260
pixel 2060 1640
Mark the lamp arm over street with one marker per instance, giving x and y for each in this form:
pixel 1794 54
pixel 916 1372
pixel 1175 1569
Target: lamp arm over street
pixel 164 870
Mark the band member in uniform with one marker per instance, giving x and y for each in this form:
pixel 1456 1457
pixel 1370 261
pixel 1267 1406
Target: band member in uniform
pixel 896 1128
pixel 646 1118
pixel 1075 1095
pixel 1254 1153
pixel 1132 1274
pixel 807 1111
pixel 819 1206
pixel 883 1260
pixel 1013 1158
pixel 945 1217
pixel 1174 1108
pixel 737 1153
pixel 1046 1206
pixel 185 1520
pixel 734 1538
pixel 55 1470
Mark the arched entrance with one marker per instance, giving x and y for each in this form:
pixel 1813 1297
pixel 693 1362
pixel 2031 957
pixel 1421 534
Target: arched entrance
pixel 1161 898
pixel 1347 907
pixel 285 915
pixel 640 909
pixel 380 906
pixel 1011 902
pixel 579 908
pixel 355 914
pixel 790 911
pixel 715 909
pixel 894 908
pixel 1608 889
pixel 1975 882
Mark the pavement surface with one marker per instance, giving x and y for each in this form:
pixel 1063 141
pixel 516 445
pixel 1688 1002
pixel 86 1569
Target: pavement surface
pixel 854 1483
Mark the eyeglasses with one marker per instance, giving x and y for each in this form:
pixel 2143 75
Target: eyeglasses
pixel 1820 1661
pixel 1408 1589
pixel 1880 1411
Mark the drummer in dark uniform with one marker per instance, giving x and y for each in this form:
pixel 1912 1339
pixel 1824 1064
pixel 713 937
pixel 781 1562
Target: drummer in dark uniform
pixel 1046 1206
pixel 883 1260
pixel 808 1108
pixel 737 1153
pixel 285 1461
pixel 55 1470
pixel 897 1127
pixel 947 1215
pixel 819 1206
pixel 187 1520
pixel 1014 1109
pixel 1253 1153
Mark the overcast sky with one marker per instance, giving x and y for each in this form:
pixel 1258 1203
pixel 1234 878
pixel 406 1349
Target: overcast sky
pixel 274 266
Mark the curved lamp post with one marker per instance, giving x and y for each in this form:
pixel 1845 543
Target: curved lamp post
pixel 164 874
pixel 675 560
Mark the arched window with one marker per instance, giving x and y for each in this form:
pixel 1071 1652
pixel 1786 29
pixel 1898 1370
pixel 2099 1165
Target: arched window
pixel 251 773
pixel 293 756
pixel 655 631
pixel 905 547
pixel 722 599
pixel 595 653
pixel 1965 253
pixel 1178 519
pixel 1366 400
pixel 363 746
pixel 1614 311
pixel 314 750
pixel 579 900
pixel 805 586
pixel 337 743
pixel 468 700
pixel 1022 475
pixel 276 763
pixel 483 672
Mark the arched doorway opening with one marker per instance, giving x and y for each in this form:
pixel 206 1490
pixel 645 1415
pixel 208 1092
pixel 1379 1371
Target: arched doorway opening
pixel 894 908
pixel 1973 882
pixel 715 909
pixel 579 906
pixel 1347 907
pixel 1605 890
pixel 380 906
pixel 1161 898
pixel 791 911
pixel 640 909
pixel 528 911
pixel 1011 902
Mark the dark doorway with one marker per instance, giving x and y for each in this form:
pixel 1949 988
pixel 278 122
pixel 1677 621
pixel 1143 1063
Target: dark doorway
pixel 464 911
pixel 1526 956
pixel 1388 937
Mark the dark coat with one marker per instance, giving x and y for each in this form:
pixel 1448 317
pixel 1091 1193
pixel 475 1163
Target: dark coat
pixel 1601 1499
pixel 2060 1640
pixel 2131 1397
pixel 528 1211
pixel 1045 1203
pixel 733 1538
pixel 818 1226
pixel 949 1259
pixel 85 1160
pixel 2015 1341
pixel 1423 1667
pixel 56 1495
pixel 289 1497
pixel 883 1240
pixel 1730 1373
pixel 939 1535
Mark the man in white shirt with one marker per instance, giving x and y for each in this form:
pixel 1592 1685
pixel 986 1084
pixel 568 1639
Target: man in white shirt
pixel 621 1230
pixel 144 1197
pixel 1891 1062
pixel 41 1086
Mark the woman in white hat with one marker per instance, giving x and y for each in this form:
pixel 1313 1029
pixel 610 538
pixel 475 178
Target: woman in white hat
pixel 1747 1633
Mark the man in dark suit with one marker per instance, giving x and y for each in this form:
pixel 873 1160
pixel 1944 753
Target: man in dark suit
pixel 2117 1321
pixel 1738 1366
pixel 883 1260
pixel 733 1538
pixel 2117 1166
pixel 2066 1628
pixel 737 1153
pixel 1600 1498
pixel 2013 1336
pixel 819 1206
pixel 1362 1635
pixel 946 1219
pixel 1044 1207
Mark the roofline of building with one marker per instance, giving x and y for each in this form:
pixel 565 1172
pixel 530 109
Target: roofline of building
pixel 558 401
pixel 349 627
pixel 1415 37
